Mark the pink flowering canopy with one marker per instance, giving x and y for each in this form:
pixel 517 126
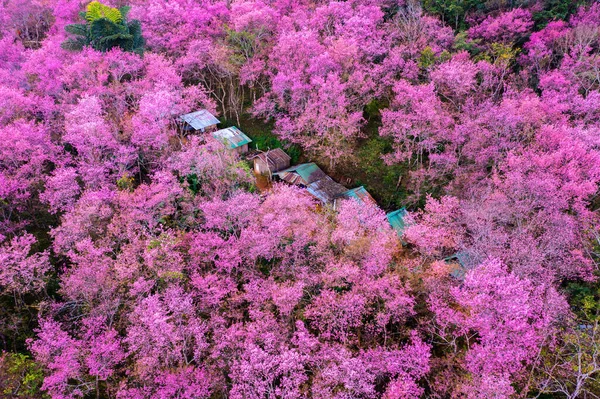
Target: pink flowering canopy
pixel 142 260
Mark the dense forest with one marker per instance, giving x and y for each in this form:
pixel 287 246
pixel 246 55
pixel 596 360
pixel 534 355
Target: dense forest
pixel 143 259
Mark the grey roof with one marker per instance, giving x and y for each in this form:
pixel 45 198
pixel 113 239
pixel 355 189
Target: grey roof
pixel 232 137
pixel 273 158
pixel 326 189
pixel 200 120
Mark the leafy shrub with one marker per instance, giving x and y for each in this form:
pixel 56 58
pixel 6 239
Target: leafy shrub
pixel 105 28
pixel 20 377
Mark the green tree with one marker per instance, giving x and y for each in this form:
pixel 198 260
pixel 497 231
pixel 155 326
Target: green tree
pixel 20 377
pixel 453 12
pixel 555 10
pixel 104 29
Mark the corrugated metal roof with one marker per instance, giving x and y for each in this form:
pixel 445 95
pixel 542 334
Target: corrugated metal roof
pixel 274 158
pixel 290 177
pixel 326 189
pixel 232 137
pixel 359 193
pixel 396 220
pixel 200 120
pixel 305 174
pixel 463 264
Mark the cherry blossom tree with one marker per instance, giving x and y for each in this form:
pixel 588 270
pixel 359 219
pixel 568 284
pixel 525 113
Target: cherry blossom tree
pixel 138 260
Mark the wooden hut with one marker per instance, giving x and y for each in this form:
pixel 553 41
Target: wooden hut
pixel 199 121
pixel 326 189
pixel 269 162
pixel 233 138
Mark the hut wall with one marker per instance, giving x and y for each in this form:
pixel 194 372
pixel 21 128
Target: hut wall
pixel 261 166
pixel 241 149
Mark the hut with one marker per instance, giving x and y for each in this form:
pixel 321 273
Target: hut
pixel 301 175
pixel 233 138
pixel 396 220
pixel 359 193
pixel 461 263
pixel 326 189
pixel 269 162
pixel 199 121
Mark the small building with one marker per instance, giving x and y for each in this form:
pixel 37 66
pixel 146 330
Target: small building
pixel 301 175
pixel 199 121
pixel 233 138
pixel 461 263
pixel 269 162
pixel 396 220
pixel 359 193
pixel 326 189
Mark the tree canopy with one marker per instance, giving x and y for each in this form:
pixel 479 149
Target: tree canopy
pixel 140 260
pixel 105 28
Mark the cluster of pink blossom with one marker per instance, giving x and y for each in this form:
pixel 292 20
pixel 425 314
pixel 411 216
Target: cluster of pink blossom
pixel 157 271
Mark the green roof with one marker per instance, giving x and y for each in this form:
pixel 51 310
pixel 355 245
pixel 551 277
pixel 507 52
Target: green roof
pixel 232 137
pixel 463 260
pixel 396 220
pixel 306 170
pixel 359 193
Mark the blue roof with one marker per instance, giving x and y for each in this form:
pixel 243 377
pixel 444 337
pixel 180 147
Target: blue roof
pixel 200 120
pixel 396 220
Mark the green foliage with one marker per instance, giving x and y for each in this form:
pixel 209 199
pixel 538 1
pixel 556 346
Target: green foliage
pixel 77 29
pixel 268 142
pixel 126 182
pixel 585 300
pixel 263 137
pixel 373 108
pixel 427 58
pixel 243 45
pixel 96 10
pixel 105 28
pixel 499 54
pixel 294 152
pixel 462 43
pixel 172 275
pixel 265 142
pixel 555 10
pixel 194 183
pixel 380 179
pixel 154 244
pixel 503 53
pixel 247 168
pixel 20 377
pixel 453 12
pixel 135 30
